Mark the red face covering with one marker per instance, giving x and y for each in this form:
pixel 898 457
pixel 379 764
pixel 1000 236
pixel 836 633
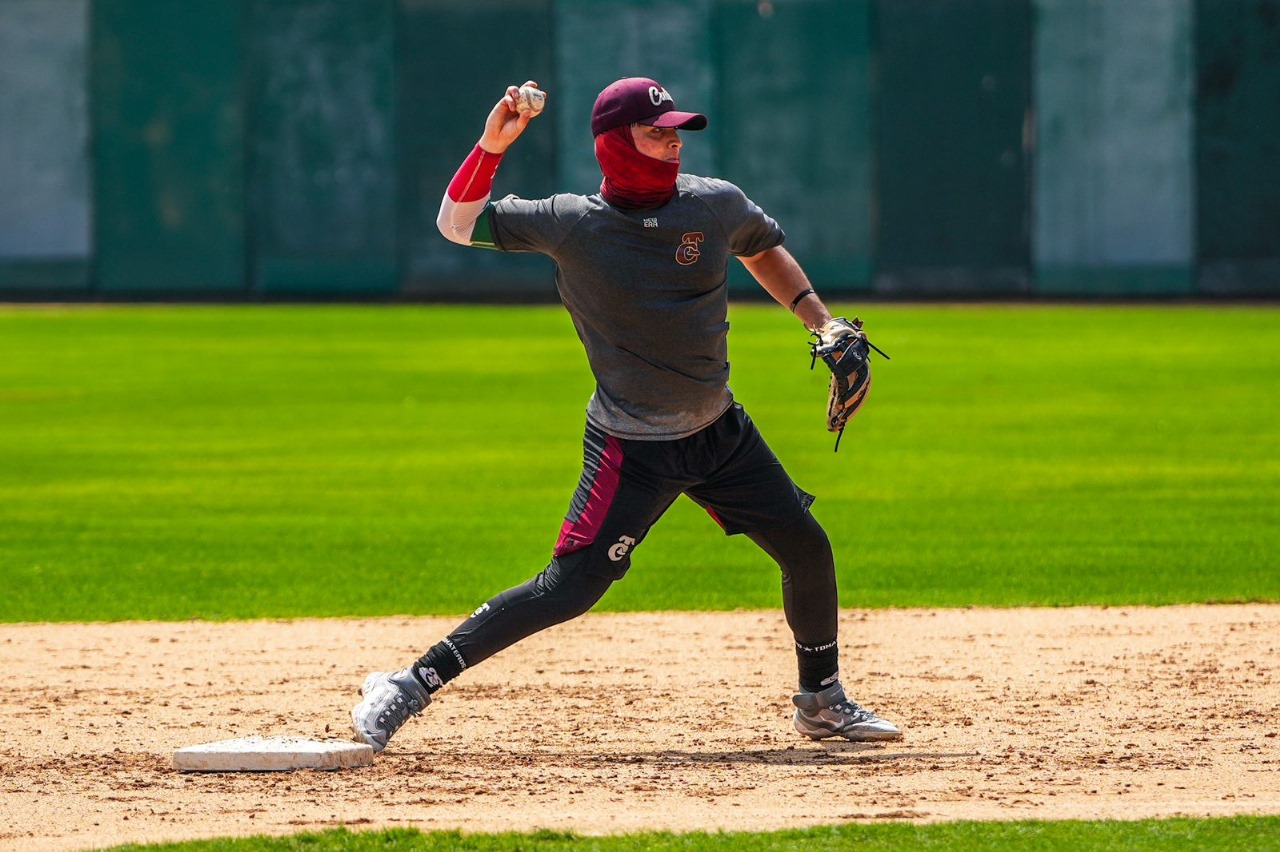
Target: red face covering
pixel 632 180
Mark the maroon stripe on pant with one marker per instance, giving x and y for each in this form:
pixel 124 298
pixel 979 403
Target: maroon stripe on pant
pixel 582 527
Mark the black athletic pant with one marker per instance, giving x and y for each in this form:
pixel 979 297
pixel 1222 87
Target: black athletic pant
pixel 624 488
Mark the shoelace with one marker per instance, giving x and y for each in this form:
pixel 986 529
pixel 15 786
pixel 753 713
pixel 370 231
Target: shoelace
pixel 852 708
pixel 400 709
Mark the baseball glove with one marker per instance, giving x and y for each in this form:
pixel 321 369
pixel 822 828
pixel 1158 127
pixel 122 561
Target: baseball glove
pixel 843 347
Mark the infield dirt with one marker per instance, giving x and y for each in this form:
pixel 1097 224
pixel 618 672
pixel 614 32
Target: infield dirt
pixel 662 721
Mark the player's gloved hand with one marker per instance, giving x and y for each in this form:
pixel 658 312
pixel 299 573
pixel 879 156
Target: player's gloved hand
pixel 843 347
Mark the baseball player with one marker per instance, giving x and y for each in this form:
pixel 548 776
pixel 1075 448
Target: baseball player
pixel 641 267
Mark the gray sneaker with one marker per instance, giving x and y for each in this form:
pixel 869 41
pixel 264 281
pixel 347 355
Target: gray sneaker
pixel 830 713
pixel 390 698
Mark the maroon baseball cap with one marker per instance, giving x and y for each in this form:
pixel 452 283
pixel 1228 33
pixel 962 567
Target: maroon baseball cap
pixel 639 100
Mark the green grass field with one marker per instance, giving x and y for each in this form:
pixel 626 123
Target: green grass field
pixel 1237 835
pixel 238 462
pixel 235 462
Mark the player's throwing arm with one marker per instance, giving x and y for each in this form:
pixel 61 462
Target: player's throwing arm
pixel 468 193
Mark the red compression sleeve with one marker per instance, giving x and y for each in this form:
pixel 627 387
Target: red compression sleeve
pixel 474 179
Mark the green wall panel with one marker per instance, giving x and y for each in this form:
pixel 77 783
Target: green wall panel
pixel 781 68
pixel 953 187
pixel 168 150
pixel 44 137
pixel 599 41
pixel 241 148
pixel 1238 146
pixel 453 63
pixel 322 155
pixel 1114 201
pixel 44 278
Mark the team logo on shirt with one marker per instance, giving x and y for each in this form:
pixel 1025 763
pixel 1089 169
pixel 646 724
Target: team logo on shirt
pixel 688 252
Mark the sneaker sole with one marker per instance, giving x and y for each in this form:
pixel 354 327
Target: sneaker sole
pixel 851 736
pixel 360 735
pixel 855 737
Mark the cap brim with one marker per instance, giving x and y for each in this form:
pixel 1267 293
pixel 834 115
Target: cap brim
pixel 677 119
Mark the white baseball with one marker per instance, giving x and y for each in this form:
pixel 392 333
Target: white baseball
pixel 530 100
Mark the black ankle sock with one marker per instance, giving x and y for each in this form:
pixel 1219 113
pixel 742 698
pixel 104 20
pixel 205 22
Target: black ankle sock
pixel 819 665
pixel 438 666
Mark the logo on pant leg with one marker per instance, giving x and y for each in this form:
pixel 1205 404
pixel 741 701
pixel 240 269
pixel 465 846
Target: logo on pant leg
pixel 620 550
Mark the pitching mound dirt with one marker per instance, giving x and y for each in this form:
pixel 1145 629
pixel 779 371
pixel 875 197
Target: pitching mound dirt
pixel 619 723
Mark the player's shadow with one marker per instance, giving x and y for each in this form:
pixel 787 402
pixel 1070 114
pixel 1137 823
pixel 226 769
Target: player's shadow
pixel 825 753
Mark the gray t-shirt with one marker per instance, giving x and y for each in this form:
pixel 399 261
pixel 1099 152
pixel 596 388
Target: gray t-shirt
pixel 647 293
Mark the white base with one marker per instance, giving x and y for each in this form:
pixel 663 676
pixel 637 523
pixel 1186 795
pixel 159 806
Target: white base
pixel 271 754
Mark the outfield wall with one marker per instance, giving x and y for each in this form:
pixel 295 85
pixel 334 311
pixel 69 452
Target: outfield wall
pixel 247 149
